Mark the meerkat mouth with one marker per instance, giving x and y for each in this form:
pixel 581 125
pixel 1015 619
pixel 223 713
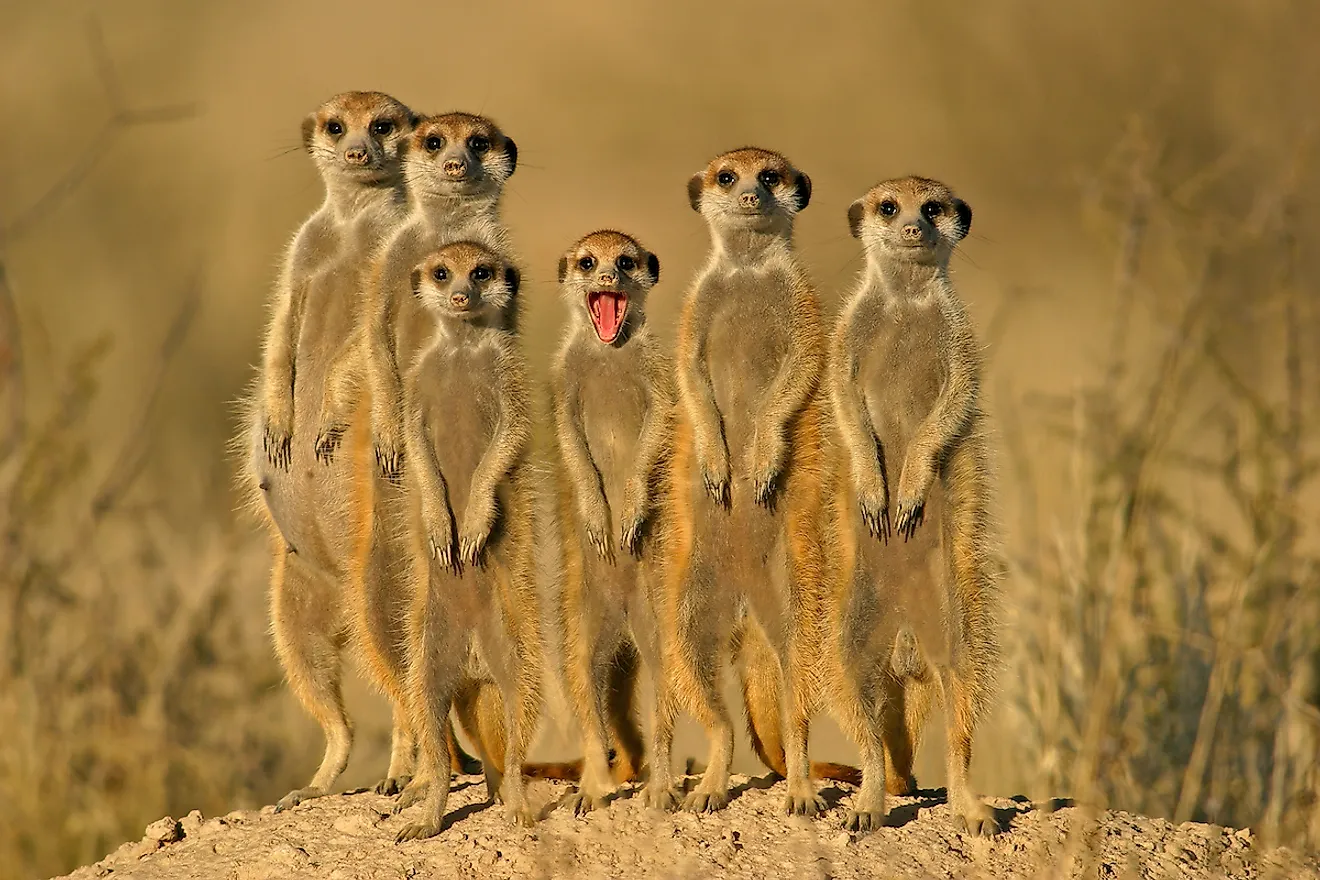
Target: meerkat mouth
pixel 607 308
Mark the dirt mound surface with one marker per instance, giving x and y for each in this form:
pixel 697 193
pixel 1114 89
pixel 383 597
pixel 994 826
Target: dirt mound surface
pixel 351 837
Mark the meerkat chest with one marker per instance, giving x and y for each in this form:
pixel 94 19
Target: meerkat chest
pixel 459 397
pixel 904 369
pixel 748 335
pixel 613 404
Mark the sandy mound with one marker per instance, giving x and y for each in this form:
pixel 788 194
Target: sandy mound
pixel 351 837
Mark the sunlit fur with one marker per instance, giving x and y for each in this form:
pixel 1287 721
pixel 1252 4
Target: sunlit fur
pixel 914 612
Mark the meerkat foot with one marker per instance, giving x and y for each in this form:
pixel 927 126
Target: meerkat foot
pixel 418 831
pixel 701 801
pixel 393 785
pixel 862 820
pixel 298 796
pixel 580 803
pixel 412 792
pixel 977 818
pixel 660 797
pixel 801 800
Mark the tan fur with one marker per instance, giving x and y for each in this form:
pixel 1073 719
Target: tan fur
pixel 916 594
pixel 613 401
pixel 746 571
pixel 311 509
pixel 475 641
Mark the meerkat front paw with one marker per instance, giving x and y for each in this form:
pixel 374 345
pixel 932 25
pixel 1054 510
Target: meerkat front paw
pixel 767 462
pixel 715 475
pixel 473 536
pixel 913 485
pixel 633 519
pixel 389 460
pixel 327 441
pixel 277 427
pixel 596 524
pixel 874 505
pixel 440 539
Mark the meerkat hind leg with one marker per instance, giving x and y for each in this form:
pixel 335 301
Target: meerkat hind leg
pixel 970 813
pixel 309 645
pixel 403 749
pixel 595 645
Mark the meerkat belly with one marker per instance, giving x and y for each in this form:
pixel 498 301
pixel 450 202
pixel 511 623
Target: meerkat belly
pixel 461 411
pixel 902 376
pixel 747 342
pixel 318 493
pixel 614 405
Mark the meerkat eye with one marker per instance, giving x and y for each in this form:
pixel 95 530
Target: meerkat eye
pixel 625 263
pixel 932 209
pixel 769 178
pixel 440 273
pixel 725 179
pixel 478 143
pixel 382 127
pixel 586 264
pixel 482 273
pixel 888 207
pixel 433 143
pixel 334 127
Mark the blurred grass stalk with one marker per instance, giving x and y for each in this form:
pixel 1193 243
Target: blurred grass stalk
pixel 1168 626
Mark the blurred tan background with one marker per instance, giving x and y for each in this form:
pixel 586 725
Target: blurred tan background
pixel 1139 269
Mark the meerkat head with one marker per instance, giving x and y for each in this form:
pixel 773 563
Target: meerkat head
pixel 457 155
pixel 605 276
pixel 358 137
pixel 466 282
pixel 749 188
pixel 910 218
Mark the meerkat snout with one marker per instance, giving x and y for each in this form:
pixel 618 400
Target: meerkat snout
pixel 912 232
pixel 358 154
pixel 455 169
pixel 749 200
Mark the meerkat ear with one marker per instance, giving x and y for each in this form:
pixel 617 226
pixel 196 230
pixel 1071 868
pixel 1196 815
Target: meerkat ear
pixel 964 211
pixel 413 120
pixel 563 269
pixel 416 282
pixel 511 280
pixel 511 149
pixel 653 266
pixel 308 129
pixel 695 184
pixel 855 213
pixel 803 190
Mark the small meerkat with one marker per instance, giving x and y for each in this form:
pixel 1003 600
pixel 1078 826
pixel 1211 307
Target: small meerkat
pixel 917 595
pixel 746 573
pixel 475 641
pixel 355 139
pixel 613 397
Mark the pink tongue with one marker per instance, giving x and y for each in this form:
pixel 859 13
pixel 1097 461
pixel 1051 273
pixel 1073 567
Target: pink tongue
pixel 609 316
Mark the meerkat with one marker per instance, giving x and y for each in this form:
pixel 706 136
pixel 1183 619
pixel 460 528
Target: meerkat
pixel 355 139
pixel 746 573
pixel 474 628
pixel 613 397
pixel 916 607
pixel 455 166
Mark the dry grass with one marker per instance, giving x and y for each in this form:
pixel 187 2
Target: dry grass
pixel 1140 181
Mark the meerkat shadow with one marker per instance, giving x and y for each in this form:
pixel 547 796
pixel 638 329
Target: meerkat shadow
pixel 832 795
pixel 923 799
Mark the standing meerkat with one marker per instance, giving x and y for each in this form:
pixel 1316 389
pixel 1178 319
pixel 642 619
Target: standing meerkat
pixel 455 166
pixel 613 406
pixel 475 639
pixel 355 139
pixel 917 588
pixel 746 568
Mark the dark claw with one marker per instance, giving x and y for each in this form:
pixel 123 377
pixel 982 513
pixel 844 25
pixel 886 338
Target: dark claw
pixel 326 444
pixel 908 519
pixel 279 449
pixel 764 492
pixel 630 542
pixel 390 464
